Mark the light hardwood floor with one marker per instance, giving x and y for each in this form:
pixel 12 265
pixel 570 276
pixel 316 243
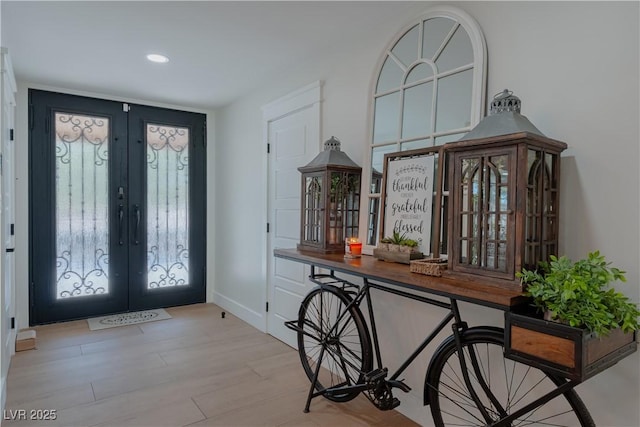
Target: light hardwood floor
pixel 194 369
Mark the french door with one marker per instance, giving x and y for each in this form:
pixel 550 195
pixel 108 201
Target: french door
pixel 117 207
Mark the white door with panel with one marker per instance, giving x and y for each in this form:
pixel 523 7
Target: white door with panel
pixel 294 141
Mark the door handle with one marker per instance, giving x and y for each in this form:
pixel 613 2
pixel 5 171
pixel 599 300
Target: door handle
pixel 120 223
pixel 136 212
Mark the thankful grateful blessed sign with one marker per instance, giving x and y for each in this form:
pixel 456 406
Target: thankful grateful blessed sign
pixel 409 199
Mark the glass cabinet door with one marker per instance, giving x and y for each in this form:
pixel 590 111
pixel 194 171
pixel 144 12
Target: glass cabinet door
pixel 483 217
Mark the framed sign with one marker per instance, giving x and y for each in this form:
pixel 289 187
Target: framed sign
pixel 412 196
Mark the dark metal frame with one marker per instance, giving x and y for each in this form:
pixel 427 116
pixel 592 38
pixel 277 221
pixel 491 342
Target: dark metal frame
pixel 127 208
pixel 362 292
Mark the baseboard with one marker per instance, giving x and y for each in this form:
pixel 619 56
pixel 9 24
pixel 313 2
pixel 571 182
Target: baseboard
pixel 252 317
pixel 3 393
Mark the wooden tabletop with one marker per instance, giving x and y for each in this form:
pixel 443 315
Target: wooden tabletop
pixel 399 275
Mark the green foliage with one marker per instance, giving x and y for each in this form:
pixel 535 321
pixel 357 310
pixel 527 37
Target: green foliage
pixel 578 294
pixel 400 239
pixel 396 238
pixel 411 243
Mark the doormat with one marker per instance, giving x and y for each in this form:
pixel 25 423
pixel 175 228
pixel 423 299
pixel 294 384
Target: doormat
pixel 124 319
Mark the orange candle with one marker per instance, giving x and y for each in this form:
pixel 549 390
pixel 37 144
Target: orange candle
pixel 352 247
pixel 356 248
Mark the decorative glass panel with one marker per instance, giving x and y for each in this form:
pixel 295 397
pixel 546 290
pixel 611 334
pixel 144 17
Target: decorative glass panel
pixel 469 183
pixel 398 121
pixel 419 72
pixel 313 218
pixel 344 203
pixel 492 226
pixel 434 34
pixel 497 169
pixel 377 166
pixel 542 205
pixel 390 76
pixel 532 213
pixel 414 145
pixel 406 50
pixel 454 101
pixel 458 52
pixel 376 181
pixel 385 127
pixel 441 140
pixel 550 198
pixel 377 162
pixel 82 205
pixel 352 204
pixel 373 218
pixel 416 116
pixel 336 208
pixel 502 256
pixel 167 206
pixel 469 210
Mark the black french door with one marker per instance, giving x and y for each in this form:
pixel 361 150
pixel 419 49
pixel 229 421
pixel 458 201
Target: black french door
pixel 117 207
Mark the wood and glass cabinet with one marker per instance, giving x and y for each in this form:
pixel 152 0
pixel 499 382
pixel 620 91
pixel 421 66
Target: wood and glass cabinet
pixel 504 204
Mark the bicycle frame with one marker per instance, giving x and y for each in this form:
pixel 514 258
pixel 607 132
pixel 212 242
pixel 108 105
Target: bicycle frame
pixel 364 293
pixel 360 293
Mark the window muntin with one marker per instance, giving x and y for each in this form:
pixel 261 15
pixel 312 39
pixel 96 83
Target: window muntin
pixel 429 90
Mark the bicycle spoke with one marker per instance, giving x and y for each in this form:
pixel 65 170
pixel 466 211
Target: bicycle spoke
pixel 495 380
pixel 542 421
pixel 338 332
pixel 464 401
pixel 459 391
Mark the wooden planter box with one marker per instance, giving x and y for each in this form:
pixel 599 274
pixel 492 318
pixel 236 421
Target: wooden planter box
pixel 570 352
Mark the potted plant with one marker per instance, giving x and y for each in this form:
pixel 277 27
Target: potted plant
pixel 398 243
pixel 397 248
pixel 587 327
pixel 579 294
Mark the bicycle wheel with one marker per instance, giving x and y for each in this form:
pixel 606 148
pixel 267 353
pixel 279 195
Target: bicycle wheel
pixel 513 384
pixel 335 338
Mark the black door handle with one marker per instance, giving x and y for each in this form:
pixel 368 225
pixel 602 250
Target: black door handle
pixel 120 223
pixel 136 211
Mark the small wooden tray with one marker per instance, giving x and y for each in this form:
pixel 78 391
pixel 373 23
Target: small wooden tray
pixel 570 352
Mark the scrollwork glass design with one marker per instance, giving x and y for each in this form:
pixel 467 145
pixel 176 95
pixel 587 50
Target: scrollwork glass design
pixel 167 206
pixel 82 206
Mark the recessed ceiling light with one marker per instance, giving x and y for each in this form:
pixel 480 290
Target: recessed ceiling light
pixel 156 57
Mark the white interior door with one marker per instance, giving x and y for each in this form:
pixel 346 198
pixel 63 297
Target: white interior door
pixel 294 141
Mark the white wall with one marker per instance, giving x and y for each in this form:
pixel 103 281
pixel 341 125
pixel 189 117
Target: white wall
pixel 240 171
pixel 575 67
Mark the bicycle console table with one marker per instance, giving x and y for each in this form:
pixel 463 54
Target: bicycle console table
pixel 399 275
pixel 480 375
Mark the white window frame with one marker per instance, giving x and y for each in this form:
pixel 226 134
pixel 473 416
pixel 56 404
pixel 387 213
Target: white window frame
pixel 479 47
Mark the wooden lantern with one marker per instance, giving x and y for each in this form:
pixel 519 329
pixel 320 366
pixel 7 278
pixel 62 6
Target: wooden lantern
pixel 330 200
pixel 505 181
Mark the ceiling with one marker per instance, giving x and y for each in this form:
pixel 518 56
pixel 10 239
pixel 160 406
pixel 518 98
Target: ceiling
pixel 218 51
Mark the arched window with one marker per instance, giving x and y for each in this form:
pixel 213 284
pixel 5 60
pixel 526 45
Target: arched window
pixel 429 89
